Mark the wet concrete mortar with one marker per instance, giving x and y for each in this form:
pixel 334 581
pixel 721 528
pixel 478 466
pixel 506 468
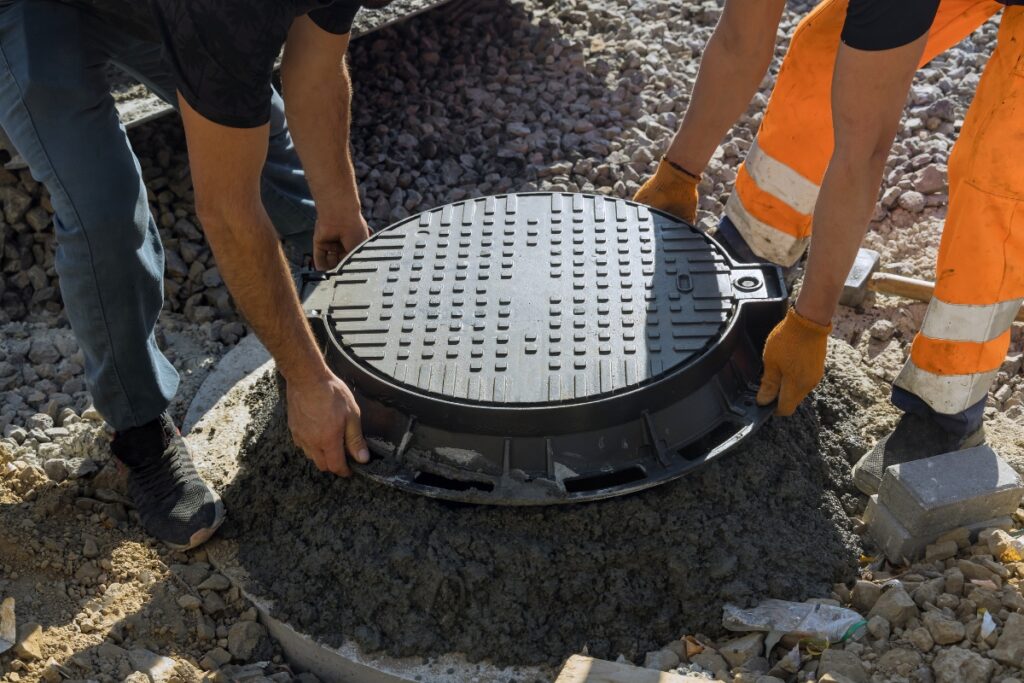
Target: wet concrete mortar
pixel 412 576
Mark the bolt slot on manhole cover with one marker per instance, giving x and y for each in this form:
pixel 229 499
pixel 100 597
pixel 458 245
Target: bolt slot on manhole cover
pixel 543 348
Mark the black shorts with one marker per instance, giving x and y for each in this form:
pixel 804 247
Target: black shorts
pixel 887 24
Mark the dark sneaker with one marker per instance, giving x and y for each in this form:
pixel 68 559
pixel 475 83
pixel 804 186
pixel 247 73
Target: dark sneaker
pixel 914 438
pixel 730 238
pixel 174 503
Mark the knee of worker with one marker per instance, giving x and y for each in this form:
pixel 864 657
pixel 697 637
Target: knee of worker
pixel 55 84
pixel 106 206
pixel 982 164
pixel 110 239
pixel 982 248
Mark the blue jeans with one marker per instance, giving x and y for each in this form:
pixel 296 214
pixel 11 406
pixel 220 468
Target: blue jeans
pixel 56 106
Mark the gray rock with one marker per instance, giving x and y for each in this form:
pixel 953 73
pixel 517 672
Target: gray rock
pixel 662 660
pixel 43 351
pixel 216 582
pixel 174 265
pixel 922 639
pixel 912 201
pixel 215 658
pixel 740 650
pixel 864 596
pixel 895 605
pixel 954 581
pixel 712 662
pixel 15 203
pixel 248 640
pixel 929 591
pixel 957 665
pixel 56 469
pixel 517 129
pixel 930 179
pixel 940 551
pixel 212 278
pixel 18 434
pixel 879 628
pixel 899 661
pixel 189 602
pixel 841 663
pixel 943 630
pixel 882 330
pixel 943 109
pixel 193 574
pixel 29 646
pixel 1009 649
pixel 40 421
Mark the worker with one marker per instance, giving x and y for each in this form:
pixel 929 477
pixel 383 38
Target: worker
pixel 818 159
pixel 222 53
pixel 56 106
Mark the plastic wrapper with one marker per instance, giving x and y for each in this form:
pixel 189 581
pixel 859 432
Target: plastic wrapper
pixel 835 624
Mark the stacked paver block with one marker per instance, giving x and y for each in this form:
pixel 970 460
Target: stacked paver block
pixel 919 501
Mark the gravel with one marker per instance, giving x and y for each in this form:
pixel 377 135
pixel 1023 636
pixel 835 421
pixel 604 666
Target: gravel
pixel 945 640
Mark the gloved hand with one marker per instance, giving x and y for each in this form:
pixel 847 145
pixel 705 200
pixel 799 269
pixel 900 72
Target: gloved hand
pixel 794 362
pixel 671 189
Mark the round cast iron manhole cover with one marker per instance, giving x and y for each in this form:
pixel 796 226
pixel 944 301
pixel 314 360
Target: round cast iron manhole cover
pixel 541 348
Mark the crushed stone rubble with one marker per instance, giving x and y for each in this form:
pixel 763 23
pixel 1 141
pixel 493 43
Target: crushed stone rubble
pixel 957 616
pixel 547 95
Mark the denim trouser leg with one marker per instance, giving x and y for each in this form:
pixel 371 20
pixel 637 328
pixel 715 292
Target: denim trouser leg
pixel 56 107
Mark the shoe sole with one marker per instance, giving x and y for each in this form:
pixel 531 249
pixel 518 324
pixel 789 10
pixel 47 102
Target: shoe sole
pixel 865 482
pixel 868 483
pixel 203 535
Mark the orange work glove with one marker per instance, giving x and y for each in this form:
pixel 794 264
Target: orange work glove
pixel 672 189
pixel 794 362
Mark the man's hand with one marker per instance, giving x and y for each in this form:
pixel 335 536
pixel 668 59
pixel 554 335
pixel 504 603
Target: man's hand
pixel 324 420
pixel 333 239
pixel 794 362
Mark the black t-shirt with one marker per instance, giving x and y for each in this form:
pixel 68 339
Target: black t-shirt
pixel 887 24
pixel 223 51
pixel 134 16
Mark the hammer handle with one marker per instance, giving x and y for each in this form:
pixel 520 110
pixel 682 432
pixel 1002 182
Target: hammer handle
pixel 910 288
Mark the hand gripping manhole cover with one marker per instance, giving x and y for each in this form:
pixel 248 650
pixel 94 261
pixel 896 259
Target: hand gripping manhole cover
pixel 538 348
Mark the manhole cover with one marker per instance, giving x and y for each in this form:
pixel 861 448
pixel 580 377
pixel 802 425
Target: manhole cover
pixel 541 348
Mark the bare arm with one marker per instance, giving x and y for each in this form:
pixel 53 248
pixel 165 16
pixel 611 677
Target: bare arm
pixel 869 90
pixel 318 99
pixel 733 65
pixel 226 164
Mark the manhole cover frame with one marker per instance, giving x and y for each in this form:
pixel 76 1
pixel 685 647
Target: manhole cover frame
pixel 409 428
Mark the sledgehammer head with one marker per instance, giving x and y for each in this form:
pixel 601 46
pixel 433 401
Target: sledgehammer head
pixel 856 286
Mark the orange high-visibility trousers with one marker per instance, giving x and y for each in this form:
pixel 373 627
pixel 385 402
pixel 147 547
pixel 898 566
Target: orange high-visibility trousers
pixel 980 270
pixel 777 185
pixel 979 277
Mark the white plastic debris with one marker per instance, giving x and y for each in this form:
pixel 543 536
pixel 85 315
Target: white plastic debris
pixel 8 630
pixel 988 625
pixel 836 624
